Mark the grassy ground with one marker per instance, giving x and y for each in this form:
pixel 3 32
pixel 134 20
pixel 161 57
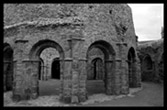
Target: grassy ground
pixel 151 94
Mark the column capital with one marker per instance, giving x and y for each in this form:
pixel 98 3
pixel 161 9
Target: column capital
pixel 109 60
pixel 121 43
pixel 118 59
pixel 21 41
pixel 83 59
pixel 68 59
pixel 76 39
pixel 31 60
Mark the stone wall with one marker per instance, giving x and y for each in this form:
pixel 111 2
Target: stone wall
pixel 152 70
pixel 73 30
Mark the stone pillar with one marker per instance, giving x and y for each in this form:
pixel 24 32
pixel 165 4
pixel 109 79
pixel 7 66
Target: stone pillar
pixel 109 77
pixel 78 87
pixel 66 77
pixel 42 72
pixel 117 77
pixel 26 80
pixel 122 69
pixel 134 74
pixel 138 71
pixel 73 95
pixel 19 71
pixel 82 94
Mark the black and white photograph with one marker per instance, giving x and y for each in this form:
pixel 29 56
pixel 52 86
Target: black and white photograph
pixel 83 55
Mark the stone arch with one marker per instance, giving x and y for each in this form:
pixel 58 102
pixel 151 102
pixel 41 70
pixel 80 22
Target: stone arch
pixel 41 69
pixel 97 68
pixel 105 47
pixel 35 52
pixel 43 44
pixel 132 67
pixel 109 60
pixel 8 66
pixel 148 62
pixel 147 68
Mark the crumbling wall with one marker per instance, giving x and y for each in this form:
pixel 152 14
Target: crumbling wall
pixel 72 29
pixel 153 49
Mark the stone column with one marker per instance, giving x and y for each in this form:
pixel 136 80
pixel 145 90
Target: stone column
pixel 26 80
pixel 19 55
pixel 66 77
pixel 121 78
pixel 31 78
pixel 75 44
pixel 117 76
pixel 135 74
pixel 109 77
pixel 124 69
pixel 138 70
pixel 82 94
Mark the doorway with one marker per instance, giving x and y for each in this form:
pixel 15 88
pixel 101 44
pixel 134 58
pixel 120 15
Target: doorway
pixel 56 69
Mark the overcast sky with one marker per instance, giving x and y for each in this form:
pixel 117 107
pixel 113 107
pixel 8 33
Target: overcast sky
pixel 148 20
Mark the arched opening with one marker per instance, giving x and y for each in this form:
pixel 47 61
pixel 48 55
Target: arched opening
pixel 147 69
pixel 8 67
pixel 148 63
pixel 100 68
pixel 55 69
pixel 41 69
pixel 131 66
pixel 47 50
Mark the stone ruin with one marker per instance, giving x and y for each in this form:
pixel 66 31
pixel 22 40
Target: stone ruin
pixel 151 55
pixel 88 38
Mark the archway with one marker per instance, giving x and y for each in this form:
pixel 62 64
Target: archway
pixel 51 87
pixel 132 67
pixel 147 68
pixel 109 57
pixel 41 69
pixel 98 69
pixel 55 69
pixel 8 67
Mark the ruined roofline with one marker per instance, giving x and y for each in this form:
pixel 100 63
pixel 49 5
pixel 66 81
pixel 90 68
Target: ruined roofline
pixel 153 43
pixel 48 21
pixel 149 41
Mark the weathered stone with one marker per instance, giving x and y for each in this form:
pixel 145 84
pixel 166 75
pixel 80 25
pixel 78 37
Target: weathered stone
pixel 74 99
pixel 78 36
pixel 151 54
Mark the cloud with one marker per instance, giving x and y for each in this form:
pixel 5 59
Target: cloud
pixel 148 20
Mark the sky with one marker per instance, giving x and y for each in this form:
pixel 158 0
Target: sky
pixel 148 20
